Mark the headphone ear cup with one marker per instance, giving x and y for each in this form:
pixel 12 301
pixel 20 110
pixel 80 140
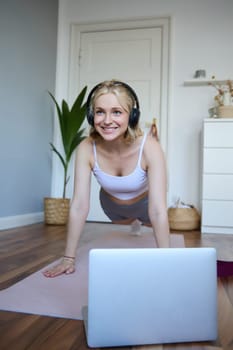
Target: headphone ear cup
pixel 90 117
pixel 134 117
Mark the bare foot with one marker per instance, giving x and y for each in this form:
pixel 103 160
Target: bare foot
pixel 136 228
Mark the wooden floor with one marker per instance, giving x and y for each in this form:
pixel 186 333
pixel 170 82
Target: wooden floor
pixel 27 249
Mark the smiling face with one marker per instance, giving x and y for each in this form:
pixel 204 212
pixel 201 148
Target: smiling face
pixel 116 100
pixel 110 117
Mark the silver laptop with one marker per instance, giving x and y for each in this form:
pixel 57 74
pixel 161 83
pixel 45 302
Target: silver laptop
pixel 151 296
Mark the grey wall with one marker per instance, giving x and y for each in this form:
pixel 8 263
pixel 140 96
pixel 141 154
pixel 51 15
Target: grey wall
pixel 28 38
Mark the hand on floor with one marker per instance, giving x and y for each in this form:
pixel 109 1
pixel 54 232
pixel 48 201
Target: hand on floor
pixel 65 266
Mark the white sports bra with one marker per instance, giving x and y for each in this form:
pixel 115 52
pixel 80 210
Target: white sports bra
pixel 123 187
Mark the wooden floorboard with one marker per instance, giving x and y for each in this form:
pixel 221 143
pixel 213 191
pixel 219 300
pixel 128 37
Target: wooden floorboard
pixel 27 249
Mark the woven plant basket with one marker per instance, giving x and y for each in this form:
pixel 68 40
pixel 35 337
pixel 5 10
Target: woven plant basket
pixel 56 211
pixel 184 219
pixel 225 111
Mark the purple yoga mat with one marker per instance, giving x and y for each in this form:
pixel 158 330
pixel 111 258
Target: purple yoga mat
pixel 224 268
pixel 65 295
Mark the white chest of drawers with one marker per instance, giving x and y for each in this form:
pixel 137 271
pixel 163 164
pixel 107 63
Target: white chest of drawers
pixel 217 176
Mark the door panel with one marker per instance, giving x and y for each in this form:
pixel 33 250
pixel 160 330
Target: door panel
pixel 133 56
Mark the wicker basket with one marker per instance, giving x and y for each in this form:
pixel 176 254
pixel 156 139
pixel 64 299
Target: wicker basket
pixel 184 219
pixel 56 211
pixel 225 111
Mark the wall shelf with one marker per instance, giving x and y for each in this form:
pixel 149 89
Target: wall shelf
pixel 204 82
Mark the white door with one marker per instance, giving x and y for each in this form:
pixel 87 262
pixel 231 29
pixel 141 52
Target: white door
pixel 131 55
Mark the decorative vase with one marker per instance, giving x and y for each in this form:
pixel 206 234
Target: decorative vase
pixel 226 98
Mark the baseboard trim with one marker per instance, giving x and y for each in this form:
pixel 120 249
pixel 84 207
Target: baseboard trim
pixel 20 220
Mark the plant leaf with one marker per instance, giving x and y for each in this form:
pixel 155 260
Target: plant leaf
pixel 76 117
pixel 59 113
pixel 79 100
pixel 70 121
pixel 79 137
pixel 66 126
pixel 58 154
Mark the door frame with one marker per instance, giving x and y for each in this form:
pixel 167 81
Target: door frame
pixel 163 23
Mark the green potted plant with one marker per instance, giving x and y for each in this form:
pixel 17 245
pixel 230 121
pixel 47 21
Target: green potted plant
pixel 70 121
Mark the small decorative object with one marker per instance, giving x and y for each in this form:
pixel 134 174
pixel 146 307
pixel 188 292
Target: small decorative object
pixel 224 99
pixel 183 217
pixel 153 129
pixel 56 210
pixel 213 112
pixel 200 73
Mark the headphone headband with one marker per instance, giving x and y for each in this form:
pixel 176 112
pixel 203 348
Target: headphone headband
pixel 135 112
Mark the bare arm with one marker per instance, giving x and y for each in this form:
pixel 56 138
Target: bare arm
pixel 157 191
pixel 78 210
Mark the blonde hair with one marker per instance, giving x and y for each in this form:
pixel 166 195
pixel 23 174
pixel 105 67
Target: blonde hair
pixel 125 98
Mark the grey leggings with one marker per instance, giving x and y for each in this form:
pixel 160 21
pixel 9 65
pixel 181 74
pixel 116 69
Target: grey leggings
pixel 118 212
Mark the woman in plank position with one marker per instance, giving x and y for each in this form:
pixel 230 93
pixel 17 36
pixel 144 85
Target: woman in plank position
pixel 128 164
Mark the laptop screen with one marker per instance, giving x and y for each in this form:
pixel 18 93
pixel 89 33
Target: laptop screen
pixel 151 296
